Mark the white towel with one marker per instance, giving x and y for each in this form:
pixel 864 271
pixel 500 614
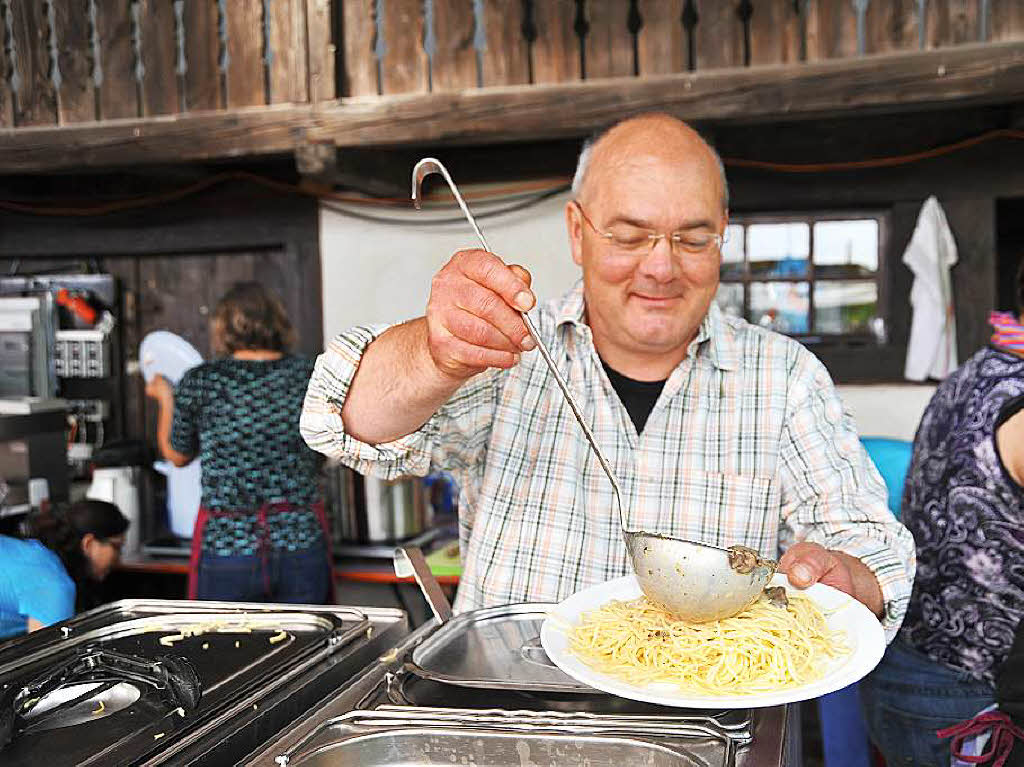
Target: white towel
pixel 931 352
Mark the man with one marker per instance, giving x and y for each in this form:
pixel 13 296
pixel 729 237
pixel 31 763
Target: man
pixel 719 431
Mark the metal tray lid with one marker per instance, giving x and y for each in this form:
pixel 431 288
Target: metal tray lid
pixel 238 652
pixel 494 648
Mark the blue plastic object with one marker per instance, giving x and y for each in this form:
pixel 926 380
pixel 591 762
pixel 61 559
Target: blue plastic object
pixel 892 457
pixel 844 734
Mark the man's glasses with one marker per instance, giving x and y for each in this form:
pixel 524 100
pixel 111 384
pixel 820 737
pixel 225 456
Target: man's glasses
pixel 634 240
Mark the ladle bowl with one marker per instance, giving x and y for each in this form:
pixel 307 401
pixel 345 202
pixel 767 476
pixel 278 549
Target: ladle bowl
pixel 694 581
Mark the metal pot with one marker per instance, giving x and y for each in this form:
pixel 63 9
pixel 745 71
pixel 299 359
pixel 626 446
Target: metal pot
pixel 371 510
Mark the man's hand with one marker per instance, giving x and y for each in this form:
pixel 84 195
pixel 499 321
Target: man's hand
pixel 808 563
pixel 473 320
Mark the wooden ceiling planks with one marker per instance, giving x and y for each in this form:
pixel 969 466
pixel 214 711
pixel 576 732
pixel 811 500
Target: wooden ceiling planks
pixel 76 97
pixel 35 98
pixel 359 35
pixel 951 22
pixel 404 66
pixel 119 91
pixel 775 34
pixel 245 75
pixel 202 55
pixel 453 65
pixel 893 26
pixel 555 53
pixel 718 35
pixel 158 47
pixel 608 46
pixel 505 58
pixel 321 51
pixel 287 78
pixel 662 47
pixel 1005 20
pixel 970 75
pixel 831 30
pixel 6 95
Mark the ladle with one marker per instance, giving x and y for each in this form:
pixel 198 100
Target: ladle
pixel 694 581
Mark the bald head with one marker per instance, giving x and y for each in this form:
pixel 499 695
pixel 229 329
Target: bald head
pixel 650 134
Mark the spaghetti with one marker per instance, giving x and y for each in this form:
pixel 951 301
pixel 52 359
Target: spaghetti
pixel 763 649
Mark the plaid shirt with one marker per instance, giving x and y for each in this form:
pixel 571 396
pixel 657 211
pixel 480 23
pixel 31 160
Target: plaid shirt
pixel 748 444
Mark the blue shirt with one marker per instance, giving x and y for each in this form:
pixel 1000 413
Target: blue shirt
pixel 33 582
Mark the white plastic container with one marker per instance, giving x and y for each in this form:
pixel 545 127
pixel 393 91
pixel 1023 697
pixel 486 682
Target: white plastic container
pixel 184 492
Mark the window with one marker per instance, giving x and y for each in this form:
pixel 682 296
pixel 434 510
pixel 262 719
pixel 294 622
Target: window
pixel 816 277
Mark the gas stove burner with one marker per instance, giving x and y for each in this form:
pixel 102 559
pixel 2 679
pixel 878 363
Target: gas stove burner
pixel 80 690
pixel 89 701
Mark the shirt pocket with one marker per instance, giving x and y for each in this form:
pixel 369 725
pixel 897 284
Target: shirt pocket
pixel 723 510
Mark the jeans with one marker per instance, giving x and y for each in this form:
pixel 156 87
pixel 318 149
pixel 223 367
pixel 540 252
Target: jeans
pixel 908 697
pixel 295 577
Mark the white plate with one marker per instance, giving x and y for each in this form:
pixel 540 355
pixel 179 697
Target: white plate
pixel 164 353
pixel 863 632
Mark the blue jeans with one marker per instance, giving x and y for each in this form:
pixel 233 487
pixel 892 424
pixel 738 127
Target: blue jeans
pixel 908 697
pixel 295 577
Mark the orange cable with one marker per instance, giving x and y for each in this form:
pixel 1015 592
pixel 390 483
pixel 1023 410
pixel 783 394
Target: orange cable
pixel 540 186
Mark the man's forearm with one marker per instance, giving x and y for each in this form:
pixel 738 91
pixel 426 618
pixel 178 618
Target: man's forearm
pixel 397 387
pixel 865 584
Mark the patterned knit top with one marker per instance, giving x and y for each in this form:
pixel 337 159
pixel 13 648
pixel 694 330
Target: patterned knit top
pixel 967 517
pixel 241 417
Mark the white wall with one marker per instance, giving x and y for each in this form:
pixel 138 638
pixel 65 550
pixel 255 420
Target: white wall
pixel 887 410
pixel 379 272
pixel 375 272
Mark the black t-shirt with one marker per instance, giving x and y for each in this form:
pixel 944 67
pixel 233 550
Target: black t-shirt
pixel 638 397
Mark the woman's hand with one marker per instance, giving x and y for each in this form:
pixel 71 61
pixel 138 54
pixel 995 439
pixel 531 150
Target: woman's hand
pixel 160 389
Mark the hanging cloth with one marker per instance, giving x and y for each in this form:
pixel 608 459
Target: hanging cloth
pixel 931 352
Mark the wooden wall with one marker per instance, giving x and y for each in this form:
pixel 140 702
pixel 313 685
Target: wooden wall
pixel 415 46
pixel 173 263
pixel 84 60
pixel 80 61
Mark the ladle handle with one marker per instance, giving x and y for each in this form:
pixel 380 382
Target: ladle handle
pixel 429 164
pixel 411 558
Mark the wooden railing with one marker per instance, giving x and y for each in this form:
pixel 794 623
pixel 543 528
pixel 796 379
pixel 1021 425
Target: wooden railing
pixel 404 46
pixel 74 61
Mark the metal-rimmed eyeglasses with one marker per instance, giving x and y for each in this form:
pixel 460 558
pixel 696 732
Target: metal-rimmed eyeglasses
pixel 635 240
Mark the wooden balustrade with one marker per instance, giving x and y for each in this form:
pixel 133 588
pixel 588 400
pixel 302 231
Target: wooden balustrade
pixel 76 61
pixel 73 61
pixel 107 82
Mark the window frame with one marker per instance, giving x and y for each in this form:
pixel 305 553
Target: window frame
pixel 810 218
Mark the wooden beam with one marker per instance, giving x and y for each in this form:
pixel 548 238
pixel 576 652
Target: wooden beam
pixel 962 75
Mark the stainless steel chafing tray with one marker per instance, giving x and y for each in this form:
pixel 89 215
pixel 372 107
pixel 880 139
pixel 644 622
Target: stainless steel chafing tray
pixel 496 648
pixel 432 736
pixel 370 722
pixel 246 657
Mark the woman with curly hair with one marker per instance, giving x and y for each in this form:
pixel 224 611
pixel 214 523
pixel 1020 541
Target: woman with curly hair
pixel 70 549
pixel 260 534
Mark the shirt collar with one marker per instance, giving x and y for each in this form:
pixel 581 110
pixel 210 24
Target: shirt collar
pixel 716 337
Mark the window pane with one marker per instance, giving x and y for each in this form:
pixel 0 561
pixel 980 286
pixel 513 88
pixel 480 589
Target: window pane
pixel 778 250
pixel 732 251
pixel 780 306
pixel 844 307
pixel 846 248
pixel 730 298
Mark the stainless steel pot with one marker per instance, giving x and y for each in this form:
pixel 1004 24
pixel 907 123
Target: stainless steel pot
pixel 371 510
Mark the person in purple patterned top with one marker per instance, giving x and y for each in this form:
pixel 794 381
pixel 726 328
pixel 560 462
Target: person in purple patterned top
pixel 964 503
